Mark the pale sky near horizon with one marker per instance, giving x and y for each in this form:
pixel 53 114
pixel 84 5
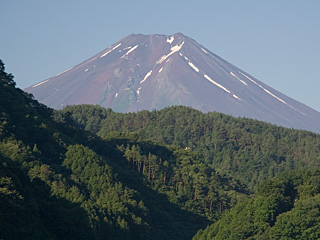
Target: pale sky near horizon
pixel 276 41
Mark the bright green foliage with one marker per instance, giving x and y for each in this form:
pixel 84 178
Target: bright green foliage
pixel 279 211
pixel 112 201
pixel 184 177
pixel 302 222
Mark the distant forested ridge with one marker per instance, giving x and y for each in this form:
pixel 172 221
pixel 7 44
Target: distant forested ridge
pixel 86 172
pixel 248 150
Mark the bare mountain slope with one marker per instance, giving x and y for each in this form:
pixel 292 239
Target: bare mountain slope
pixel 154 71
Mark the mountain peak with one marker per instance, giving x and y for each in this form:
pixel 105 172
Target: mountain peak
pixel 155 71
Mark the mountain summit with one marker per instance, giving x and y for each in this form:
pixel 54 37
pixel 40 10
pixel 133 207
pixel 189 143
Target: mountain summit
pixel 146 72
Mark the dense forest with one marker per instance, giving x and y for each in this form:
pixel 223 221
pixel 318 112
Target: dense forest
pixel 248 150
pixel 285 207
pixel 59 182
pixel 86 172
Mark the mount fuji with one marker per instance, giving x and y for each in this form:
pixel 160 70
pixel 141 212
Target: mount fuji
pixel 146 72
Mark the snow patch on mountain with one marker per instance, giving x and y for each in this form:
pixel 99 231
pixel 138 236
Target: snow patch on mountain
pixel 105 54
pixel 64 71
pixel 184 56
pixel 250 79
pixel 138 90
pixel 40 83
pixel 204 51
pixel 235 96
pixel 170 40
pixel 189 62
pixel 271 94
pixel 193 66
pixel 267 91
pixel 160 70
pixel 174 49
pixel 131 50
pixel 215 83
pixel 161 59
pixel 232 74
pixel 147 75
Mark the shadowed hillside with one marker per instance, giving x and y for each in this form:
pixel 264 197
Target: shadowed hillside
pixel 86 172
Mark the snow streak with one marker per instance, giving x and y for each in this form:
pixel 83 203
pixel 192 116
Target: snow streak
pixel 105 54
pixel 235 96
pixel 208 78
pixel 131 50
pixel 64 71
pixel 232 74
pixel 217 84
pixel 40 83
pixel 173 50
pixel 147 75
pixel 267 91
pixel 270 93
pixel 138 91
pixel 204 51
pixel 193 66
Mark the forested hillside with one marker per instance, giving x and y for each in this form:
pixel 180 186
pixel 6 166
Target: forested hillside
pixel 57 181
pixel 86 172
pixel 286 207
pixel 248 150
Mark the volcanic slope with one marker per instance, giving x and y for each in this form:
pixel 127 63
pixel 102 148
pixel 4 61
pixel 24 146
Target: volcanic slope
pixel 146 72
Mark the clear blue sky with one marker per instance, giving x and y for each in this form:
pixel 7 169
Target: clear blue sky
pixel 276 41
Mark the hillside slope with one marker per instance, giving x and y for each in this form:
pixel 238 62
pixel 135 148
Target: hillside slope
pixel 287 207
pixel 57 181
pixel 151 175
pixel 246 149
